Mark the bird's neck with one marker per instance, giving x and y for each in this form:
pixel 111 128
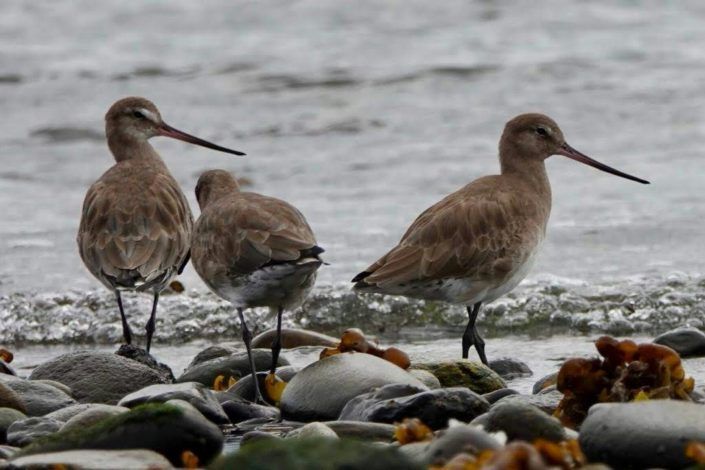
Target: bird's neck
pixel 531 172
pixel 127 147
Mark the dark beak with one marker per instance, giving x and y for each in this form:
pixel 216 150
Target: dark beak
pixel 168 131
pixel 568 151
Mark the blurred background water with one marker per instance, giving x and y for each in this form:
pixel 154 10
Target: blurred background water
pixel 362 114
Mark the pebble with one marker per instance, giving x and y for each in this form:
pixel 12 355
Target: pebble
pixel 434 407
pixel 521 421
pixel 545 381
pixel 321 390
pixel 643 434
pixel 294 338
pixel 510 369
pixel 464 373
pixel 37 398
pixel 239 410
pixel 497 395
pixel 457 439
pixel 363 431
pixel 687 342
pixel 91 459
pixel 194 393
pixel 313 430
pixel 98 377
pixel 546 402
pixel 25 431
pixel 7 417
pixel 234 365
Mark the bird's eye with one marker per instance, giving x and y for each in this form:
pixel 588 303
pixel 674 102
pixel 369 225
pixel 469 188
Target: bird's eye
pixel 138 114
pixel 542 132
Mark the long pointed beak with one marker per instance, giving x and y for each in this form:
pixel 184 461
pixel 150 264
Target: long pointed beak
pixel 568 151
pixel 167 131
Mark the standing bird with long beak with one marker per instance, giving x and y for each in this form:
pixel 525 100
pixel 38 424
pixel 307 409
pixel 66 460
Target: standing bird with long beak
pixel 479 242
pixel 136 224
pixel 254 251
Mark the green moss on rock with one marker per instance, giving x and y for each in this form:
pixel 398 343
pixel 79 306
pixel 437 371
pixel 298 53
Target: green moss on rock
pixel 463 373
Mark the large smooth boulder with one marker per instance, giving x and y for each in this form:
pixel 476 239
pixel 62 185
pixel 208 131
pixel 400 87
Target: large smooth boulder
pixel 294 338
pixel 166 428
pixel 98 377
pixel 315 454
pixel 688 342
pixel 464 373
pixel 434 408
pixel 234 365
pixel 90 459
pixel 521 421
pixel 647 434
pixel 37 398
pixel 321 390
pixel 509 368
pixel 195 393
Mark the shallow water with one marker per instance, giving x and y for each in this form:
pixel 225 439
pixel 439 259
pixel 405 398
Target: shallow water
pixel 362 114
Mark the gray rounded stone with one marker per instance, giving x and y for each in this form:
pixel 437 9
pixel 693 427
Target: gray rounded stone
pixel 433 407
pixel 544 382
pixel 10 399
pixel 321 390
pixel 452 441
pixel 522 421
pixel 363 431
pixel 294 338
pixel 497 395
pixel 98 377
pixel 239 410
pixel 38 398
pixel 545 401
pixel 7 417
pixel 25 431
pixel 234 365
pixel 104 459
pixel 509 368
pixel 313 430
pixel 688 342
pixel 426 378
pixel 644 434
pixel 195 393
pixel 92 416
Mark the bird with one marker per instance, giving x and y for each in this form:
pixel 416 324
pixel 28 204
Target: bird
pixel 253 251
pixel 135 229
pixel 478 243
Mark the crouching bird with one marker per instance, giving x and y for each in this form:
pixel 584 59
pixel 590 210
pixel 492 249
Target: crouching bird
pixel 253 251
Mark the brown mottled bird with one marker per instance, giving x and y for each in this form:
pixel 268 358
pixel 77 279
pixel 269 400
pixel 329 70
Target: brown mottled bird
pixel 479 242
pixel 254 251
pixel 135 230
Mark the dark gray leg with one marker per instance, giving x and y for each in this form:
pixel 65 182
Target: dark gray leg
pixel 126 331
pixel 151 324
pixel 472 336
pixel 277 342
pixel 247 339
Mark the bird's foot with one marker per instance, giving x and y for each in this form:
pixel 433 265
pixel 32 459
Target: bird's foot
pixel 274 387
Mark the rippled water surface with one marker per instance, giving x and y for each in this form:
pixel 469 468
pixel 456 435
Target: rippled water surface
pixel 362 114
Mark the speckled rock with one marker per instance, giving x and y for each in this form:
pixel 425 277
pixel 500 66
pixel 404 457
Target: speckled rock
pixel 522 421
pixel 648 434
pixel 162 427
pixel 25 431
pixel 37 398
pixel 434 407
pixel 688 342
pixel 235 365
pixel 91 459
pixel 464 373
pixel 195 393
pixel 321 390
pixel 98 377
pixel 294 338
pixel 7 417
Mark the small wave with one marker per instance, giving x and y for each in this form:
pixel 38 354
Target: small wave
pixel 67 134
pixel 11 79
pixel 288 82
pixel 543 307
pixel 155 72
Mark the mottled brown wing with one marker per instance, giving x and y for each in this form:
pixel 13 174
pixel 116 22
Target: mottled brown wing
pixel 481 231
pixel 238 235
pixel 135 228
